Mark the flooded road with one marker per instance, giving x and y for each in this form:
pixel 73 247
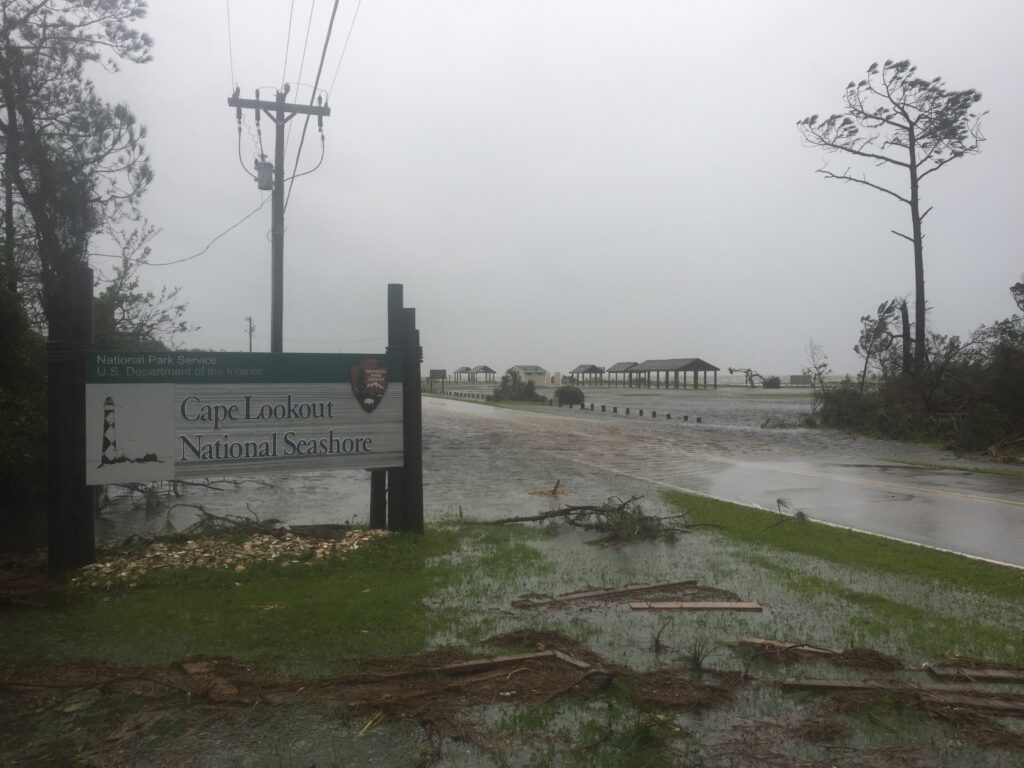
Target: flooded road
pixel 831 477
pixel 483 462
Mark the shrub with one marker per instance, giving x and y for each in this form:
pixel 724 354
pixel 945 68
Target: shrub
pixel 772 382
pixel 514 388
pixel 569 395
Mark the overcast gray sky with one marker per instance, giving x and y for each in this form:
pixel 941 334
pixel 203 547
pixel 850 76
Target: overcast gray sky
pixel 562 182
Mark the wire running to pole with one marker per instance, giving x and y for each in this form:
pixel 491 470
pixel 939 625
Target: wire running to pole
pixel 344 48
pixel 302 66
pixel 287 43
pixel 312 100
pixel 218 237
pixel 231 50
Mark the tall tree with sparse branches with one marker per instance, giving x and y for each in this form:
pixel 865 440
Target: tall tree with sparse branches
pixel 898 121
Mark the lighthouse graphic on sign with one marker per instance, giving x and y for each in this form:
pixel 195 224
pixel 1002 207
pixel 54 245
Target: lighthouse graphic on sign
pixel 110 454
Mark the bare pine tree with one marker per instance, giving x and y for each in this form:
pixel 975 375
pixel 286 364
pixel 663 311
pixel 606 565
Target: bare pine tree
pixel 898 121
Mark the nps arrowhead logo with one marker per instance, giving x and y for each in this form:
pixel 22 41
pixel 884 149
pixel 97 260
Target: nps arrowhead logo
pixel 369 383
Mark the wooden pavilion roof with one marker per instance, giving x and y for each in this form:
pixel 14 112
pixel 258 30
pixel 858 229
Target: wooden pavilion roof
pixel 483 369
pixel 622 367
pixel 587 368
pixel 463 369
pixel 676 364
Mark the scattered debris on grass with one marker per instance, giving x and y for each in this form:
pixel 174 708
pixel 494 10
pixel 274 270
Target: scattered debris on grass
pixel 620 521
pixel 246 545
pixel 867 658
pixel 435 690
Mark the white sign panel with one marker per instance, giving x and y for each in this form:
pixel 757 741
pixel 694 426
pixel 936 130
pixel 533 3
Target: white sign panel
pixel 175 415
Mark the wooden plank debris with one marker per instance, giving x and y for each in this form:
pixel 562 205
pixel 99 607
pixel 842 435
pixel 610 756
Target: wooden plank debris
pixel 696 606
pixel 976 675
pixel 597 594
pixel 480 665
pixel 778 646
pixel 947 696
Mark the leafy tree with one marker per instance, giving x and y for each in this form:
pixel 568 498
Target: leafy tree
pixel 1017 291
pixel 898 121
pixel 74 165
pixel 513 387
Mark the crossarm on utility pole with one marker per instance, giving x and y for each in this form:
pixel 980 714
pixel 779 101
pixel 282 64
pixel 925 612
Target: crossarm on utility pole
pixel 273 106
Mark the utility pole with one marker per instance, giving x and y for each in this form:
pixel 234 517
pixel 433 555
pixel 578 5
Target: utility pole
pixel 279 112
pixel 250 329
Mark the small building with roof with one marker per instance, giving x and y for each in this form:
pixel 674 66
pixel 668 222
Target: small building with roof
pixel 533 373
pixel 461 373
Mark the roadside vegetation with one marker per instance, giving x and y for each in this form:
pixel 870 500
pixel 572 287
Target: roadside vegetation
pixel 969 396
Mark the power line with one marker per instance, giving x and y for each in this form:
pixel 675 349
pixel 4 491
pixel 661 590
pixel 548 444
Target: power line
pixel 288 42
pixel 344 48
pixel 231 50
pixel 312 98
pixel 210 244
pixel 302 65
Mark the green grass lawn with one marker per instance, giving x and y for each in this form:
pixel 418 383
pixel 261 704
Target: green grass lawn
pixel 304 618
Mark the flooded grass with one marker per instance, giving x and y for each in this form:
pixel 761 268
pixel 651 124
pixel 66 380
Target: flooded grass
pixel 455 587
pixel 846 547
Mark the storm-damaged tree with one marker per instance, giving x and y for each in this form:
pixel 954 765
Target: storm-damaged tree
pixel 902 125
pixel 74 164
pixel 876 336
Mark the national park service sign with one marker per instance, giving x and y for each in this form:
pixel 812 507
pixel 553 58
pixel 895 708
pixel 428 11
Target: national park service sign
pixel 369 383
pixel 176 414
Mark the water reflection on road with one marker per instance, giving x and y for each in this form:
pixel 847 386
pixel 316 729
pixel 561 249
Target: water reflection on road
pixel 485 461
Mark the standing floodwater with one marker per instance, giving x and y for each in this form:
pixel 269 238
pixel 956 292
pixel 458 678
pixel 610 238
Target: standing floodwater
pixel 486 461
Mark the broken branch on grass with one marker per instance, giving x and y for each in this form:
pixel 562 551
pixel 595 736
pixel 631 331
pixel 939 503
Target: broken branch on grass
pixel 696 606
pixel 619 520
